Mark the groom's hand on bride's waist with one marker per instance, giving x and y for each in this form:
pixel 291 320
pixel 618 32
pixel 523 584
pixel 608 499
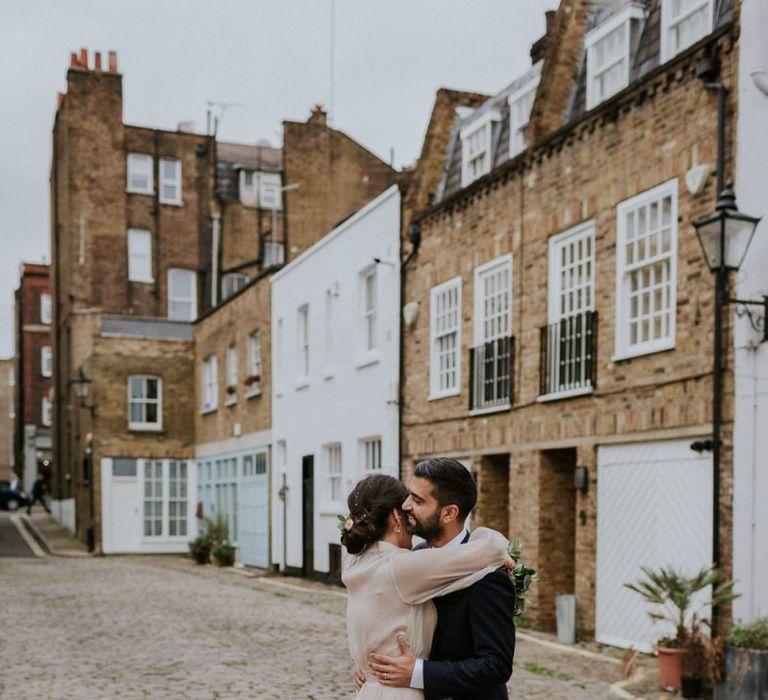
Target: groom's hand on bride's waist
pixel 395 671
pixel 360 679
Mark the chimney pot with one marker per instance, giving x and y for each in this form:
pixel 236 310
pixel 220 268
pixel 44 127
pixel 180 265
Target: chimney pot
pixel 84 58
pixel 97 60
pixel 113 62
pixel 73 60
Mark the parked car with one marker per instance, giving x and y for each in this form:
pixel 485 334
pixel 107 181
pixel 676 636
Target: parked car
pixel 12 499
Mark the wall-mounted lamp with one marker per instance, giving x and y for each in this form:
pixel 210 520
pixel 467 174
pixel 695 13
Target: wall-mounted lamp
pixel 81 385
pixel 581 479
pixel 410 313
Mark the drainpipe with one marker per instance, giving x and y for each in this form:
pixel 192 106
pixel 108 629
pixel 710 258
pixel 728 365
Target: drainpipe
pixel 216 220
pixel 414 236
pixel 283 495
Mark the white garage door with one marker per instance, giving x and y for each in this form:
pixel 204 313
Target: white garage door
pixel 654 508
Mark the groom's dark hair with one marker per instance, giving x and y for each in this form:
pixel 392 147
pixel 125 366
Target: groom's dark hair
pixel 453 482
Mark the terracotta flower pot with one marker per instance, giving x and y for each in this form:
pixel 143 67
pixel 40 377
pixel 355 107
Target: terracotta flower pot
pixel 670 670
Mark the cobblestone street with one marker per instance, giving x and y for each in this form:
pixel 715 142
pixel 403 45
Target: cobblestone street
pixel 143 627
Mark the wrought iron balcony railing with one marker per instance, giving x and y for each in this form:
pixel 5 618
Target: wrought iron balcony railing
pixel 569 354
pixel 491 374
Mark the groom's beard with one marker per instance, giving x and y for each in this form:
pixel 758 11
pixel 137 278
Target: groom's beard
pixel 428 529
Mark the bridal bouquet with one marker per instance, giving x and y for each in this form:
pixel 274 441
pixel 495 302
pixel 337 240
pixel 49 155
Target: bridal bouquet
pixel 521 575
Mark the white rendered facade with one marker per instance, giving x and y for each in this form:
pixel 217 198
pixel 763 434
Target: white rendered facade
pixel 750 516
pixel 335 325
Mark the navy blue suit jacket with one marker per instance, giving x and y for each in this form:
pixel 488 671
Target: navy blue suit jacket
pixel 474 642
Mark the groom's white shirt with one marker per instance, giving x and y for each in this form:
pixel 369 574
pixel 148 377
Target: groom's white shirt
pixel 417 678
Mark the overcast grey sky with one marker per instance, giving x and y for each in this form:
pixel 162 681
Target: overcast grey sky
pixel 271 55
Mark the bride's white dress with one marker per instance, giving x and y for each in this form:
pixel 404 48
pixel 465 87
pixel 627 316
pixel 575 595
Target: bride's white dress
pixel 390 591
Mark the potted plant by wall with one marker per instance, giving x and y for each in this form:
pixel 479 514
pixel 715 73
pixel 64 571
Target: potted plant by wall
pixel 231 389
pixel 746 662
pixel 223 554
pixel 252 379
pixel 200 550
pixel 672 596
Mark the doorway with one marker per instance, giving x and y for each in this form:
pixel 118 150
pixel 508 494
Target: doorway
pixel 308 515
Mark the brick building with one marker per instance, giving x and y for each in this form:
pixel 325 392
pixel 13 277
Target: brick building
pixel 151 230
pixel 328 177
pixel 567 198
pixel 7 416
pixel 34 369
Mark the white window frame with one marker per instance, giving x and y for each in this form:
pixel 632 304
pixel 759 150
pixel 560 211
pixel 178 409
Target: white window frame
pixel 623 18
pixel 334 471
pixel 161 494
pixel 483 123
pixel 140 271
pixel 270 191
pixel 582 231
pixel 174 298
pixel 45 308
pixel 371 454
pixel 136 162
pixel 516 127
pixel 435 392
pixel 145 425
pixel 46 361
pixel 302 346
pixel 210 382
pixel 502 262
pixel 174 181
pixel 273 253
pixel 255 364
pixel 668 25
pixel 46 411
pixel 368 315
pixel 623 348
pixel 179 498
pixel 232 372
pixel 232 283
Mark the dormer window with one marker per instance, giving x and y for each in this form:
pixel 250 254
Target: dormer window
pixel 520 106
pixel 476 141
pixel 683 23
pixel 608 53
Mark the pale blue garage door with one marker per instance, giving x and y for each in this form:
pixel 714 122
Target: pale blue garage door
pixel 253 510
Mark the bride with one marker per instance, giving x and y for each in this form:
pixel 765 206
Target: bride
pixel 390 588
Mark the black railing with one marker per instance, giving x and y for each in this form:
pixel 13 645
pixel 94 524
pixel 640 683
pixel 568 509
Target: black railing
pixel 491 374
pixel 569 354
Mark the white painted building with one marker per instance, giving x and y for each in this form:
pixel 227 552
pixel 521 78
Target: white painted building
pixel 335 364
pixel 750 516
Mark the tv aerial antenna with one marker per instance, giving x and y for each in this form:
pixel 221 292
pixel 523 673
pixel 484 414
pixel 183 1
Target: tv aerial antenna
pixel 220 108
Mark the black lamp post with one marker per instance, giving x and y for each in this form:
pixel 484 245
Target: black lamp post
pixel 724 237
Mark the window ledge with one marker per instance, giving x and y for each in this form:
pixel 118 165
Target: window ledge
pixel 640 352
pixel 143 428
pixel 230 400
pixel 149 281
pixel 443 395
pixel 301 384
pixel 328 375
pixel 211 409
pixel 490 409
pixel 172 204
pixel 330 509
pixel 371 358
pixel 565 394
pixel 252 393
pixel 148 193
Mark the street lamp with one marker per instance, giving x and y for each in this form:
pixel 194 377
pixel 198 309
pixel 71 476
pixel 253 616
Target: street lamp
pixel 81 384
pixel 724 237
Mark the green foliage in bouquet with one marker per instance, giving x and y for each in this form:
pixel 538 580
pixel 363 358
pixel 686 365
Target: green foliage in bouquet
pixel 522 577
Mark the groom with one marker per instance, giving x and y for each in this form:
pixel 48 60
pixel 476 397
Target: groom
pixel 474 642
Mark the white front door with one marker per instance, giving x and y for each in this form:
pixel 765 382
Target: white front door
pixel 253 510
pixel 654 508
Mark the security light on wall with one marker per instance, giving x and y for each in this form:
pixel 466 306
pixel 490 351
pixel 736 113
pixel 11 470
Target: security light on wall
pixel 581 479
pixel 410 313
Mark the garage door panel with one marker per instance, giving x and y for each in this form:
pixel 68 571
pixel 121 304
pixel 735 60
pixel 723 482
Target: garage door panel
pixel 654 509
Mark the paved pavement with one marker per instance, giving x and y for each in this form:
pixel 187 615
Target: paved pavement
pixel 12 544
pixel 160 627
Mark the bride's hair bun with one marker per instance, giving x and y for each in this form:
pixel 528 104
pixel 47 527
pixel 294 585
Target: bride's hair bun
pixel 370 503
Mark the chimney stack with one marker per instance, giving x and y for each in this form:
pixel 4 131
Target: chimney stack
pixel 113 62
pixel 59 100
pixel 97 60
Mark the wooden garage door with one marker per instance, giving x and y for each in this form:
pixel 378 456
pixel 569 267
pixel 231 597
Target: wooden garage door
pixel 253 510
pixel 654 507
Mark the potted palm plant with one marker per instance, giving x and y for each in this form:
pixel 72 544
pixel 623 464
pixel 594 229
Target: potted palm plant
pixel 672 596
